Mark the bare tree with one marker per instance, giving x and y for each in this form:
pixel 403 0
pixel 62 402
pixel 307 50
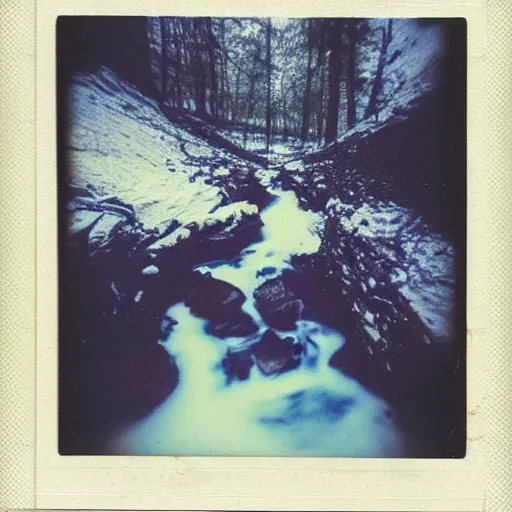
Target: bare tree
pixel 351 72
pixel 387 36
pixel 306 103
pixel 268 124
pixel 335 29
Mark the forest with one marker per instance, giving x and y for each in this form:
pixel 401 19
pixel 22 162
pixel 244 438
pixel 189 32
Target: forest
pixel 308 79
pixel 261 229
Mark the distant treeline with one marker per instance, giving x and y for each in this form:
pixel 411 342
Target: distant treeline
pixel 299 77
pixel 312 79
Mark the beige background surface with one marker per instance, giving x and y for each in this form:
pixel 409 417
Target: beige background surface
pixel 169 483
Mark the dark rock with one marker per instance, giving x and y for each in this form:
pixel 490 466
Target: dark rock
pixel 214 299
pixel 369 368
pixel 273 354
pixel 237 365
pixel 285 317
pixel 256 194
pixel 166 326
pixel 241 325
pixel 421 383
pixel 297 349
pixel 265 271
pixel 278 305
pixel 129 383
pixel 224 240
pixel 273 291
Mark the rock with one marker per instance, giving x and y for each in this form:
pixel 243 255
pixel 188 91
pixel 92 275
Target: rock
pixel 266 271
pixel 278 305
pixel 273 291
pixel 274 354
pixel 237 365
pixel 166 326
pixel 240 325
pixel 131 382
pixel 285 317
pixel 214 300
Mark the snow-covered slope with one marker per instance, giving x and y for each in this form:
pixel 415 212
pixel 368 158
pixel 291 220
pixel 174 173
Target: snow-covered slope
pixel 412 68
pixel 121 146
pixel 395 249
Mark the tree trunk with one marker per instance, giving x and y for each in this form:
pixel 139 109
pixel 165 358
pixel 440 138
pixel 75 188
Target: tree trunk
pixel 285 113
pixel 250 106
pixel 351 73
pixel 199 66
pixel 387 35
pixel 268 127
pixel 178 32
pixel 200 88
pixel 306 109
pixel 236 98
pixel 165 52
pixel 212 65
pixel 321 95
pixel 335 68
pixel 223 74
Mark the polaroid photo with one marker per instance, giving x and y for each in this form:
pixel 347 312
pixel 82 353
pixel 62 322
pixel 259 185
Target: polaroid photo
pixel 253 224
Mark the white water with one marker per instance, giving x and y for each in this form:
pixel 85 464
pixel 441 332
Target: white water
pixel 313 410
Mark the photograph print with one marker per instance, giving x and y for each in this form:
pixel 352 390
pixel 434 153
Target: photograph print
pixel 262 236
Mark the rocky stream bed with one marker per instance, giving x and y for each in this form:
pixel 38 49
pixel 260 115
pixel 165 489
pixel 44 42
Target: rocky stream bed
pixel 214 305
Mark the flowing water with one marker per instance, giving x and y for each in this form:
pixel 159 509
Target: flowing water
pixel 313 410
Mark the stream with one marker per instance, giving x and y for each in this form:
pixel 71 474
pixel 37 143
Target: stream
pixel 310 410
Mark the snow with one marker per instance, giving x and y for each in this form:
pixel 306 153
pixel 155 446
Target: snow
pixel 221 171
pixel 423 260
pixel 79 220
pixel 150 270
pixel 411 70
pixel 295 166
pixel 234 212
pixel 170 240
pixel 374 333
pixel 122 143
pixel 266 176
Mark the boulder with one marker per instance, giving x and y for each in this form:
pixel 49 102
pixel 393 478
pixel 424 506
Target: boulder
pixel 278 305
pixel 237 365
pixel 166 326
pixel 129 383
pixel 214 300
pixel 274 354
pixel 239 325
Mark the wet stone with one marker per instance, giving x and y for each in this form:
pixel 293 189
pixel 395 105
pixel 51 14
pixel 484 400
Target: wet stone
pixel 240 325
pixel 278 305
pixel 237 366
pixel 274 354
pixel 215 300
pixel 166 326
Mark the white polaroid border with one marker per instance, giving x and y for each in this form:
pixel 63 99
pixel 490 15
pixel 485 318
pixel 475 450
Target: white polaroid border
pixel 212 483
